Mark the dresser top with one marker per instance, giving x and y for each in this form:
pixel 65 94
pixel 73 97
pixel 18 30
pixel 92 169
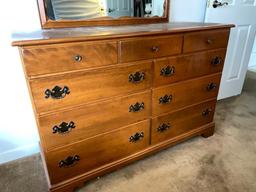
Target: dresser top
pixel 51 36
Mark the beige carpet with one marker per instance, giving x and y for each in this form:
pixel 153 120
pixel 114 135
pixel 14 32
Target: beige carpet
pixel 225 162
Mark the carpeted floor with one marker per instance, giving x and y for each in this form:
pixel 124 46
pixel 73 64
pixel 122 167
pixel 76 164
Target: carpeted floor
pixel 225 162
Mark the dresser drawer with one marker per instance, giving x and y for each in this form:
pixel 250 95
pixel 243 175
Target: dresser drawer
pixel 150 47
pixel 78 88
pixel 96 152
pixel 179 95
pixel 173 69
pixel 65 57
pixel 59 129
pixel 174 124
pixel 198 41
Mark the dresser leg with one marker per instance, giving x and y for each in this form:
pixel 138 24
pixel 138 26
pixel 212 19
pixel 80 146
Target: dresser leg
pixel 208 133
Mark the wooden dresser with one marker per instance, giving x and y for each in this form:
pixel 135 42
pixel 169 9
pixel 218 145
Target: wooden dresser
pixel 104 97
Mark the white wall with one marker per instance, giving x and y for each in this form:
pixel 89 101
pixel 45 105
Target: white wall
pixel 187 10
pixel 18 133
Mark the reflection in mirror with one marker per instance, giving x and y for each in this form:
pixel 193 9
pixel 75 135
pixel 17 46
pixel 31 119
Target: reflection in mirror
pixel 90 9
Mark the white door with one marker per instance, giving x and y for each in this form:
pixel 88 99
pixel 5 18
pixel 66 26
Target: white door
pixel 119 8
pixel 242 13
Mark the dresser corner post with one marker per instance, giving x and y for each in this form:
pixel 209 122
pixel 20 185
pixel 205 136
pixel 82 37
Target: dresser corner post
pixel 209 131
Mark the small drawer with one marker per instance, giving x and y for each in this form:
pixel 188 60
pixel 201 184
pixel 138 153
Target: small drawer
pixel 77 159
pixel 179 95
pixel 150 47
pixel 68 90
pixel 205 40
pixel 65 57
pixel 174 124
pixel 179 68
pixel 62 128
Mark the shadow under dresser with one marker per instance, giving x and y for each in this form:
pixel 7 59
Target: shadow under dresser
pixel 104 97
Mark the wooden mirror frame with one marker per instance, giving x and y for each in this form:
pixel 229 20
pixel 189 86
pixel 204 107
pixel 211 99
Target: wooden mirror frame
pixel 46 23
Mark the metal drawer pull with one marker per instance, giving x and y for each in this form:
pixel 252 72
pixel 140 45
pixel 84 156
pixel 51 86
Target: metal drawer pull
pixel 211 86
pixel 137 77
pixel 206 112
pixel 216 61
pixel 69 161
pixel 57 92
pixel 78 58
pixel 167 71
pixel 137 107
pixel 155 49
pixel 63 128
pixel 163 127
pixel 136 137
pixel 165 99
pixel 209 41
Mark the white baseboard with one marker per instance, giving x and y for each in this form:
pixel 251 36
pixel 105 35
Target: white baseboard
pixel 19 152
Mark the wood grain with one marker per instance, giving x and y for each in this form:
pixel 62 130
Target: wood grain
pixel 89 86
pixel 94 119
pixel 96 152
pixel 184 93
pixel 188 66
pixel 60 58
pixel 199 41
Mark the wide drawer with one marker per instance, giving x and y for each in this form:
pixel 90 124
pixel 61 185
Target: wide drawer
pixel 174 124
pixel 59 129
pixel 173 69
pixel 204 40
pixel 150 47
pixel 78 88
pixel 182 94
pixel 66 57
pixel 90 154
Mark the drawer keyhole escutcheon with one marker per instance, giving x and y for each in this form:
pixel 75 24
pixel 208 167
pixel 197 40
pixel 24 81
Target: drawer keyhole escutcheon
pixel 206 112
pixel 57 92
pixel 78 58
pixel 211 86
pixel 216 61
pixel 209 41
pixel 163 127
pixel 155 49
pixel 69 161
pixel 136 137
pixel 165 99
pixel 63 128
pixel 137 77
pixel 137 107
pixel 167 71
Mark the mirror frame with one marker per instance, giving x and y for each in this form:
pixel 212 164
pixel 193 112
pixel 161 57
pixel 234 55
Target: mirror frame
pixel 47 23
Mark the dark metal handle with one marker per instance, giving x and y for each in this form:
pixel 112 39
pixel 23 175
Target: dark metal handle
pixel 209 41
pixel 167 71
pixel 137 77
pixel 206 112
pixel 69 161
pixel 78 58
pixel 136 137
pixel 57 92
pixel 155 49
pixel 63 127
pixel 216 61
pixel 111 10
pixel 163 127
pixel 216 4
pixel 211 86
pixel 137 107
pixel 165 99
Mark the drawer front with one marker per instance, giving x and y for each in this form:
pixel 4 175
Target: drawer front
pixel 174 124
pixel 205 40
pixel 148 48
pixel 179 95
pixel 110 147
pixel 66 57
pixel 77 88
pixel 59 129
pixel 173 69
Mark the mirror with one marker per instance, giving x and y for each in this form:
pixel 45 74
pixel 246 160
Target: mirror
pixel 74 13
